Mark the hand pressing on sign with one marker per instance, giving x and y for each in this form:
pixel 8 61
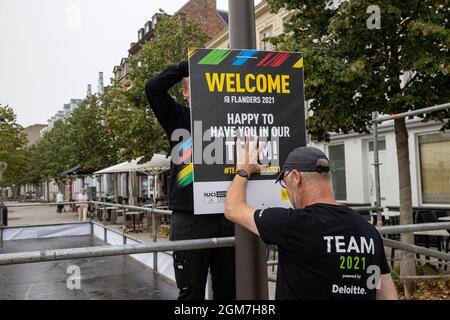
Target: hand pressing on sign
pixel 247 155
pixel 236 208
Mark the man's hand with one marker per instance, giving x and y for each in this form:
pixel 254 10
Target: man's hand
pixel 247 156
pixel 236 208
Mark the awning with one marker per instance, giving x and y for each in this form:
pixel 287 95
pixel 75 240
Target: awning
pixel 78 170
pixel 157 164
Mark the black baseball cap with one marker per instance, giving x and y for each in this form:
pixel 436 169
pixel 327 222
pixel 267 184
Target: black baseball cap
pixel 305 159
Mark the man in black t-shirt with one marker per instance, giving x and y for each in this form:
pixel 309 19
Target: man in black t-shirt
pixel 326 250
pixel 191 266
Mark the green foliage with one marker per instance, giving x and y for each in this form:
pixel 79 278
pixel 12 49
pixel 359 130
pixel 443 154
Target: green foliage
pixel 351 70
pixel 89 140
pixel 12 143
pixel 82 138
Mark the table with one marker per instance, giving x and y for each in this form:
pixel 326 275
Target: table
pixel 134 213
pixel 99 212
pixel 111 218
pixel 437 233
pixel 389 215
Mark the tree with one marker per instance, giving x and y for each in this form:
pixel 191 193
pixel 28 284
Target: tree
pixel 33 168
pixel 352 68
pixel 135 129
pixel 12 143
pixel 81 138
pixel 89 141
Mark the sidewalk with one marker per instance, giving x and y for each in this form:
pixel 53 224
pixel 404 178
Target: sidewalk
pixel 24 216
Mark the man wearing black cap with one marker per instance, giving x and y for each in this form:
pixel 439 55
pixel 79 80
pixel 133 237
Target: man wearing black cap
pixel 326 250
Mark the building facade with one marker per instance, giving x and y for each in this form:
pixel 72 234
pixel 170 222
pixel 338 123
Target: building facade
pixel 352 158
pixel 33 133
pixel 204 11
pixel 61 114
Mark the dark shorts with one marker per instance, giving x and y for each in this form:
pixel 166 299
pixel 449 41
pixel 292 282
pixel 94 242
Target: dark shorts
pixel 191 267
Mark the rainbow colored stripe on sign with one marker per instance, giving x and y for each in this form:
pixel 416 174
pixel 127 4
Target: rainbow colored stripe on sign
pixel 273 59
pixel 184 177
pixel 298 64
pixel 240 58
pixel 244 56
pixel 215 57
pixel 186 150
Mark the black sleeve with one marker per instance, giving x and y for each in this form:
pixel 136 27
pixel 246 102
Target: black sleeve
pixel 158 97
pixel 272 224
pixel 384 267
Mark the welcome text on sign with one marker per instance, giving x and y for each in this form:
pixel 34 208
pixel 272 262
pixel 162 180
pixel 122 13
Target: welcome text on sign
pixel 261 83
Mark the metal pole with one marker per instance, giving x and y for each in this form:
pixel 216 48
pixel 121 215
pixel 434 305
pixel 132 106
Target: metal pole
pixel 118 250
pixel 99 178
pixel 155 236
pixel 435 108
pixel 137 208
pixel 38 204
pixel 416 249
pixel 250 251
pixel 308 138
pixel 116 189
pixel 376 168
pixel 407 228
pixel 242 24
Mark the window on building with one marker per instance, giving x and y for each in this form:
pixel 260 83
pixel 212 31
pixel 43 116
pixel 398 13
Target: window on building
pixel 381 145
pixel 264 39
pixel 336 154
pixel 434 151
pixel 125 69
pixel 141 33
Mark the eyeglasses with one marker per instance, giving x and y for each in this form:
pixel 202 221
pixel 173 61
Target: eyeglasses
pixel 282 182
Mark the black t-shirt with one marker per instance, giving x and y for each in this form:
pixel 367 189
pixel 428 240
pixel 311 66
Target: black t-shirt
pixel 325 252
pixel 172 115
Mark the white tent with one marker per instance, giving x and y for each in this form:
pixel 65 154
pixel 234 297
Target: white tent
pixel 157 164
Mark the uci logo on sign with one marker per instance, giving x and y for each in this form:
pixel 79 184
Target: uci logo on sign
pixel 210 194
pixel 210 197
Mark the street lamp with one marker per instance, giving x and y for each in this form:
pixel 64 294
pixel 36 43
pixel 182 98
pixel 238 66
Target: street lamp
pixel 250 251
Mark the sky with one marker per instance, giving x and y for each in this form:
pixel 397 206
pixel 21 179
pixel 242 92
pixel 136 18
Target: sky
pixel 50 50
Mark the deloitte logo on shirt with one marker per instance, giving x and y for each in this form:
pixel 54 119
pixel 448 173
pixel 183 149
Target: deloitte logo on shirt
pixel 214 197
pixel 348 289
pixel 373 282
